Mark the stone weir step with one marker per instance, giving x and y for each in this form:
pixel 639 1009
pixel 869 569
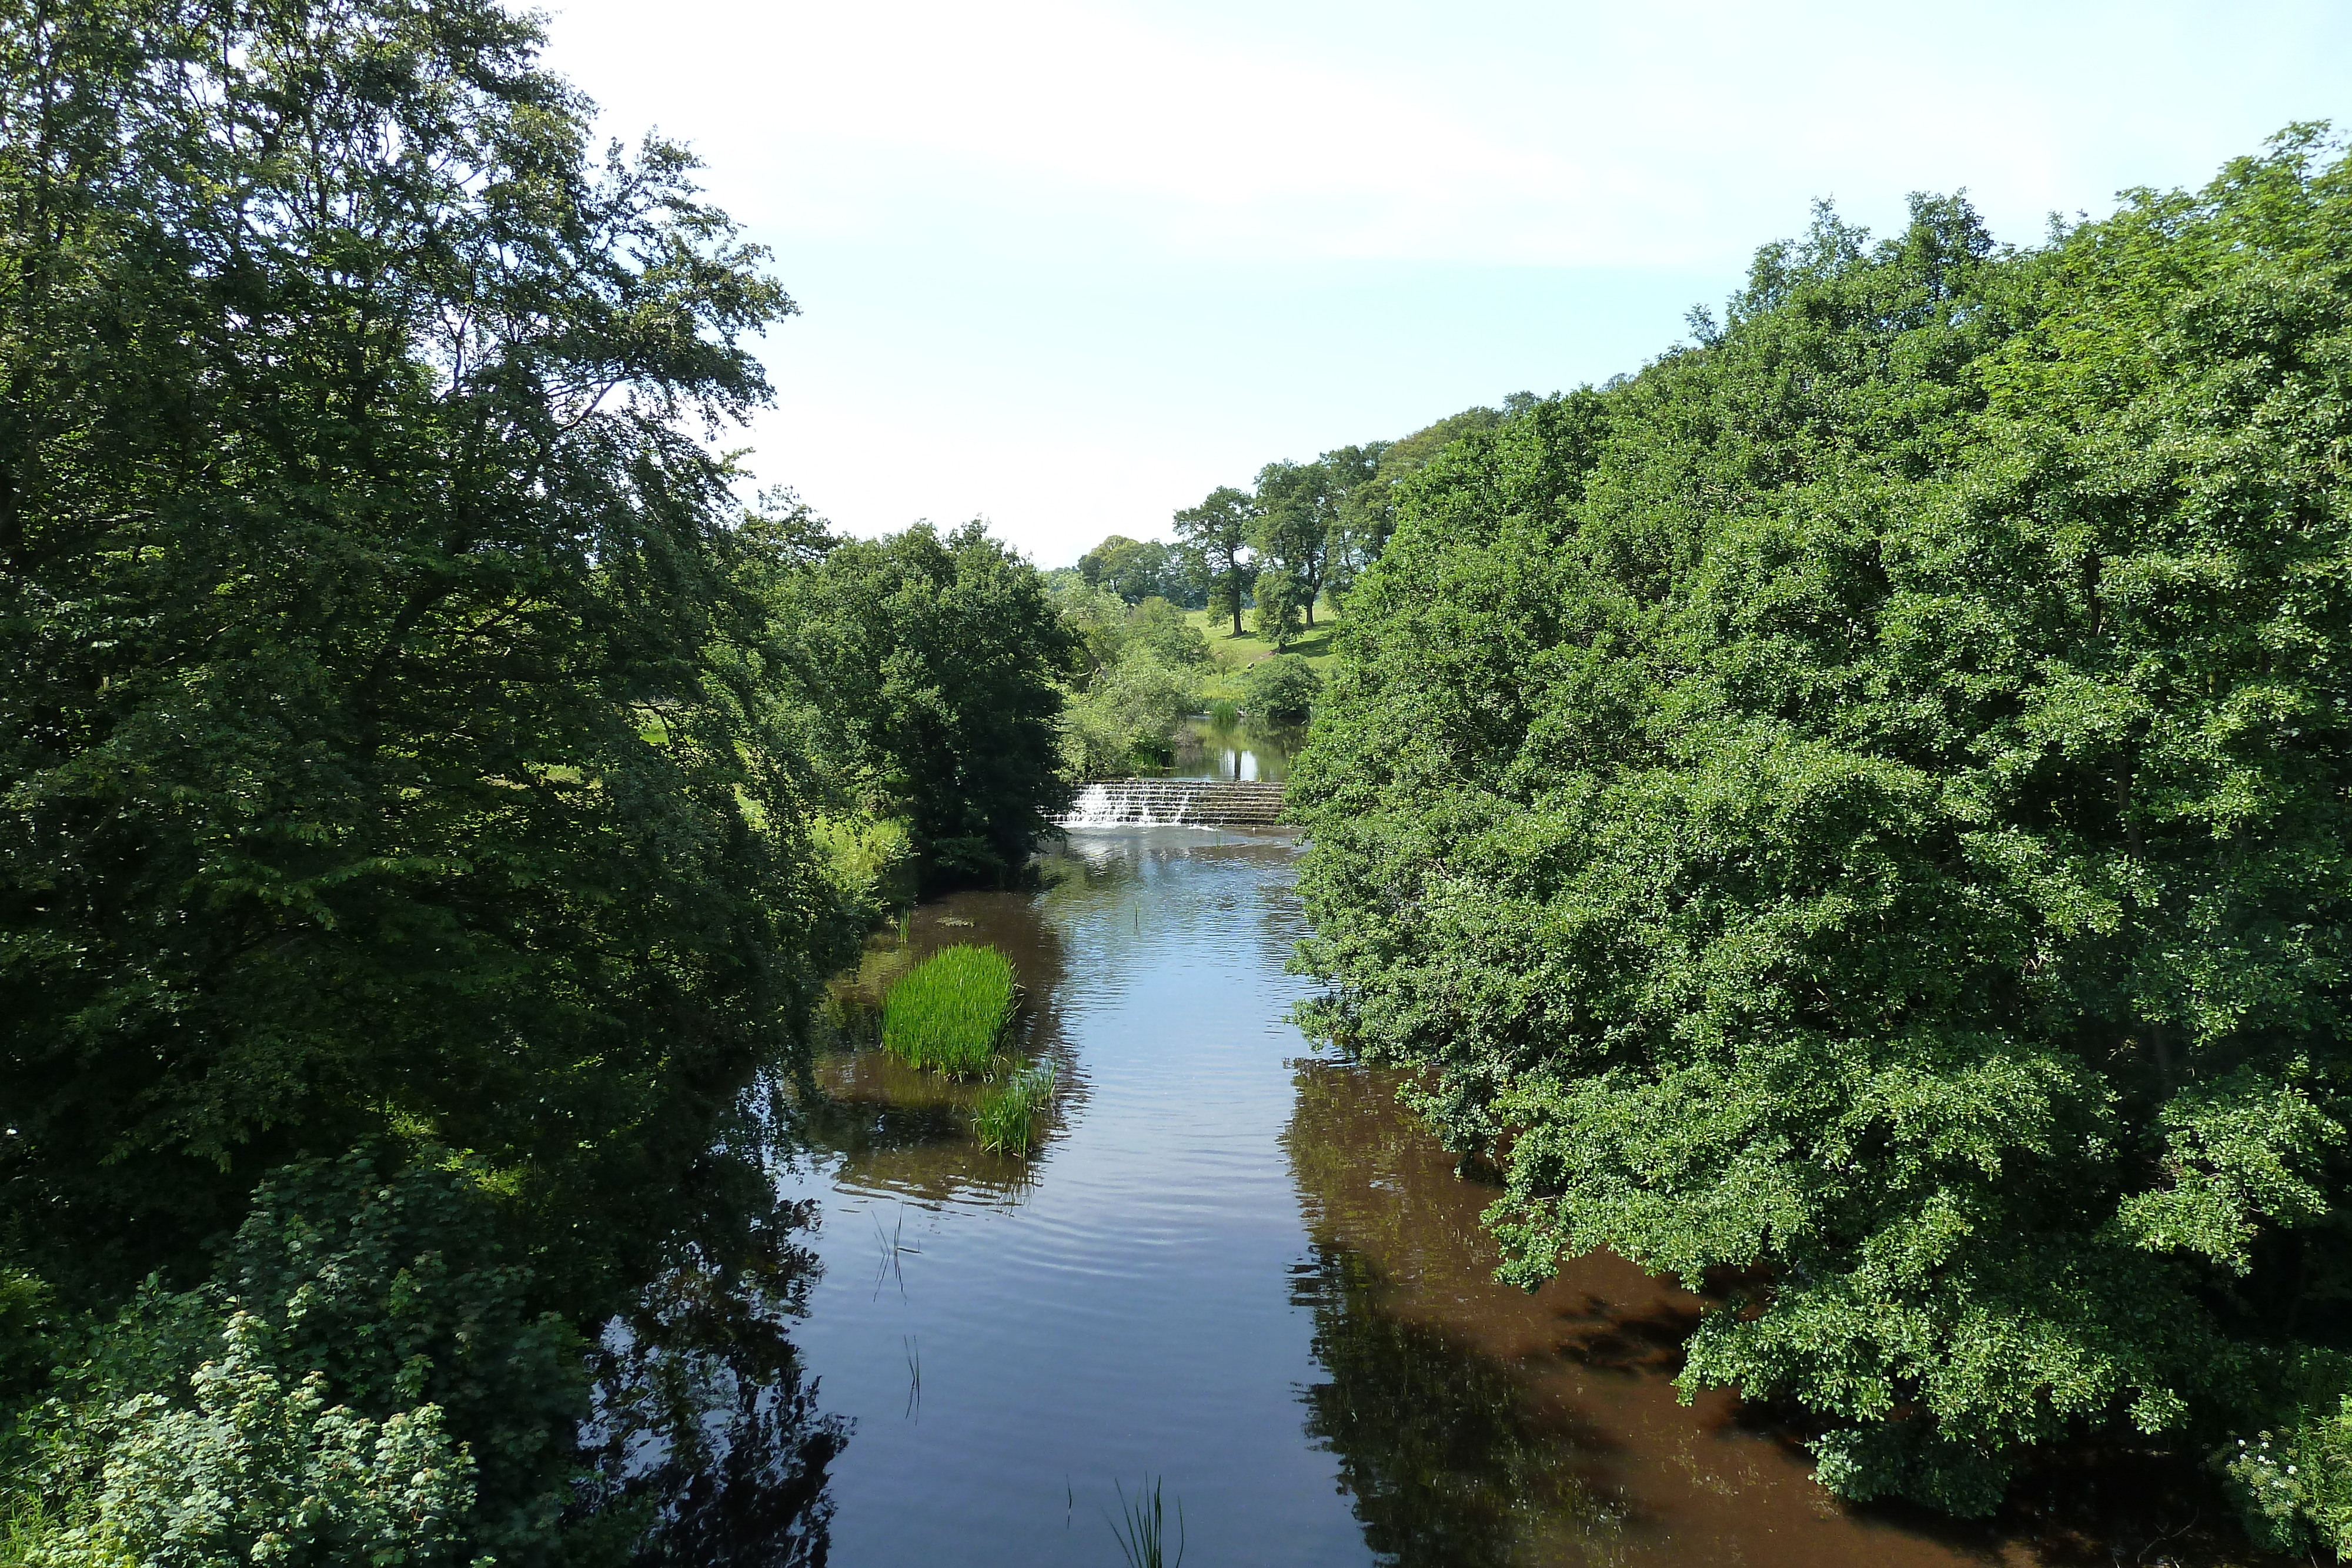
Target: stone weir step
pixel 1177 802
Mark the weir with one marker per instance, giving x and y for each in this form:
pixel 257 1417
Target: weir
pixel 1177 802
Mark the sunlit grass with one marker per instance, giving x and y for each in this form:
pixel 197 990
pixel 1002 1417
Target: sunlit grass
pixel 1009 1113
pixel 950 1010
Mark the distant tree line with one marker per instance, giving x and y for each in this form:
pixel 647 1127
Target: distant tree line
pixel 1302 536
pixel 1854 817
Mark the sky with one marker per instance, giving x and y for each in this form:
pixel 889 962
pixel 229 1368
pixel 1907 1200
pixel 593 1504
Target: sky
pixel 1068 266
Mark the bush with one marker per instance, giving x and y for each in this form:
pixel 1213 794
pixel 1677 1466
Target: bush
pixel 1281 689
pixel 1126 719
pixel 951 1010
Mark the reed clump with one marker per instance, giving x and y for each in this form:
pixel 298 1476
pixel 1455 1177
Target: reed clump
pixel 1010 1115
pixel 950 1010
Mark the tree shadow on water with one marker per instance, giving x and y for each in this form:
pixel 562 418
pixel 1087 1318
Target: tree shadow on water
pixel 1446 1465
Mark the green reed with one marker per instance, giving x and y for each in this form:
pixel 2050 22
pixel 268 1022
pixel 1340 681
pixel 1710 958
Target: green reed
pixel 1142 1530
pixel 950 1010
pixel 1009 1116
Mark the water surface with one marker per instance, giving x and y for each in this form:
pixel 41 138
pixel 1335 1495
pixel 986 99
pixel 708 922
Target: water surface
pixel 1236 1268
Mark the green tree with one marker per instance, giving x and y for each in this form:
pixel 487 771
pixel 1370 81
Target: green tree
pixel 1860 806
pixel 1296 507
pixel 1217 535
pixel 1135 570
pixel 1280 597
pixel 940 658
pixel 366 755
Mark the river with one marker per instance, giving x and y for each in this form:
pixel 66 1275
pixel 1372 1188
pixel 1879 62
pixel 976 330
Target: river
pixel 1236 1270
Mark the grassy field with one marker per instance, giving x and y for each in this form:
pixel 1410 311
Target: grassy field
pixel 1235 655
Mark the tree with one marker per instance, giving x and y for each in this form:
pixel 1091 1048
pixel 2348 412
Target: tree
pixel 1135 570
pixel 1835 809
pixel 940 658
pixel 1281 689
pixel 1280 596
pixel 1217 534
pixel 367 751
pixel 1295 506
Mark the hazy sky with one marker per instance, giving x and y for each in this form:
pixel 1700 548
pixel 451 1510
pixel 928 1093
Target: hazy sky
pixel 1068 266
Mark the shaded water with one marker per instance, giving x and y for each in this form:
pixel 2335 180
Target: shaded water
pixel 1207 750
pixel 1236 1267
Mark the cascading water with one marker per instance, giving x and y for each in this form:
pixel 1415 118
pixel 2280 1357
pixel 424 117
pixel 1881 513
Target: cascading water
pixel 1175 803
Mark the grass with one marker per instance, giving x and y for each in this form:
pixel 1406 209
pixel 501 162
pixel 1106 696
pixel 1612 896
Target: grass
pixel 950 1010
pixel 1142 1530
pixel 1008 1113
pixel 1232 655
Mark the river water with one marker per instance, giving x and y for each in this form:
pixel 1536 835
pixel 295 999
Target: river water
pixel 1236 1270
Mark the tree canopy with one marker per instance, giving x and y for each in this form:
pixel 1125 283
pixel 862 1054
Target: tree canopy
pixel 1853 816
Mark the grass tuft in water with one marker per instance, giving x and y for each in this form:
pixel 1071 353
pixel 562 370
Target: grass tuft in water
pixel 1142 1529
pixel 1009 1114
pixel 1224 714
pixel 950 1010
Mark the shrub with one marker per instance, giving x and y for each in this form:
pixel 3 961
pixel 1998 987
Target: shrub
pixel 1282 689
pixel 950 1010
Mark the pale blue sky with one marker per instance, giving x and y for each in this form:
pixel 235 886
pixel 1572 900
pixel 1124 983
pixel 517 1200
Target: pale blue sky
pixel 1068 266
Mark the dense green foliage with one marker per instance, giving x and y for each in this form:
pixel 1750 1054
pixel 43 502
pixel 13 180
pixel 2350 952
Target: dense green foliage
pixel 1137 569
pixel 427 803
pixel 1854 816
pixel 937 663
pixel 951 1011
pixel 1144 664
pixel 1280 690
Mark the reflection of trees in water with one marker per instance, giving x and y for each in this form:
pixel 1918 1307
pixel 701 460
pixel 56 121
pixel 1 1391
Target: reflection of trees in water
pixel 1446 1468
pixel 706 1435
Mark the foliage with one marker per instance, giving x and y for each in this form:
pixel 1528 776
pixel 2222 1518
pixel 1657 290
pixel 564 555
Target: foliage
pixel 1126 718
pixel 1280 690
pixel 1163 628
pixel 2294 1490
pixel 1854 815
pixel 937 659
pixel 1136 570
pixel 366 753
pixel 949 1011
pixel 1005 1117
pixel 1216 539
pixel 1280 597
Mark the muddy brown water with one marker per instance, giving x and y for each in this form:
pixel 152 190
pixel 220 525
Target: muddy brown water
pixel 1235 1270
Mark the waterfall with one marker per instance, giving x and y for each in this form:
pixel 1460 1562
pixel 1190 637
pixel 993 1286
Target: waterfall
pixel 1175 803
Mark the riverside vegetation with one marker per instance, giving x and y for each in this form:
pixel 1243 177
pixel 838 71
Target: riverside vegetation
pixel 429 802
pixel 1854 817
pixel 950 1012
pixel 1851 816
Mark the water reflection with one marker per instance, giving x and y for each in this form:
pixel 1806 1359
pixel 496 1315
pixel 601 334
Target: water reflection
pixel 1206 749
pixel 708 1444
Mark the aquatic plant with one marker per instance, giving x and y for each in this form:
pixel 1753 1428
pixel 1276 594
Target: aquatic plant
pixel 1141 1529
pixel 1224 714
pixel 1007 1114
pixel 950 1010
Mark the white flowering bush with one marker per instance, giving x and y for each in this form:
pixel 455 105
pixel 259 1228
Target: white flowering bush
pixel 2294 1487
pixel 261 1470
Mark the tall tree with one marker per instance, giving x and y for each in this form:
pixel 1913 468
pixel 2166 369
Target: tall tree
pixel 939 658
pixel 1296 507
pixel 1217 534
pixel 362 754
